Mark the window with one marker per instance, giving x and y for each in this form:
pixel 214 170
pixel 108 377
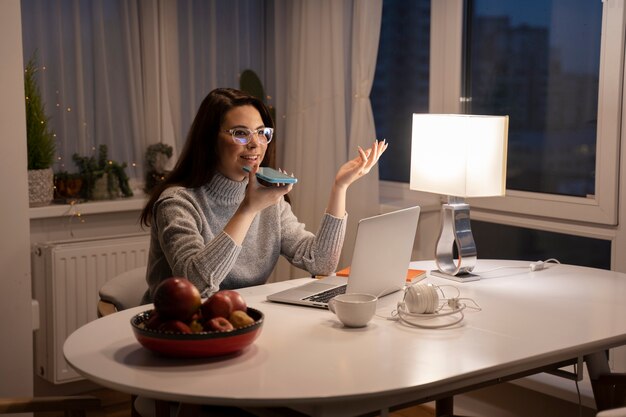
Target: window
pixel 554 66
pixel 496 241
pixel 401 81
pixel 564 143
pixel 538 62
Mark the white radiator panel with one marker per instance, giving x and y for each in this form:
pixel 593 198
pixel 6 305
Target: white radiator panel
pixel 66 278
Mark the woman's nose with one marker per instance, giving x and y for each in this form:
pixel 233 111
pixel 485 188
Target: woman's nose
pixel 254 140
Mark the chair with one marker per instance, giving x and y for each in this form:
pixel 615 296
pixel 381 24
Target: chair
pixel 123 291
pixel 609 388
pixel 120 293
pixel 72 406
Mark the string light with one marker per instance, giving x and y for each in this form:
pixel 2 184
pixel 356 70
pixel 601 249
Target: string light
pixel 61 106
pixel 74 212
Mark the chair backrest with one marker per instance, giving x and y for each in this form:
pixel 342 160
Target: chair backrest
pixel 123 291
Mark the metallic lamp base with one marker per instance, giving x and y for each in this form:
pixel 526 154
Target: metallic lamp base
pixel 467 277
pixel 456 230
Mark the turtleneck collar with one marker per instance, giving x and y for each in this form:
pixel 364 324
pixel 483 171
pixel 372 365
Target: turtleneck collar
pixel 226 191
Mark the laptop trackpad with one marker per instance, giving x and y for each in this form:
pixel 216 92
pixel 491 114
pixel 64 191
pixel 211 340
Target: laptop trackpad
pixel 300 292
pixel 315 287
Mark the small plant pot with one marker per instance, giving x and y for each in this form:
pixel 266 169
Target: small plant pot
pixel 106 188
pixel 68 187
pixel 40 187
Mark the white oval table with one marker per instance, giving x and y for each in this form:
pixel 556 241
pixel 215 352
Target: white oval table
pixel 306 360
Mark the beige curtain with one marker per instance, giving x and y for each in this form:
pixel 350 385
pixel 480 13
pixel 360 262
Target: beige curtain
pixel 160 70
pixel 363 199
pixel 326 54
pixel 132 73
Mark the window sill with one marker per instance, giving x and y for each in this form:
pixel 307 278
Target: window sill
pixel 135 203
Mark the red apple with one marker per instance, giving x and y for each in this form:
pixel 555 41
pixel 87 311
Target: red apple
pixel 237 300
pixel 177 298
pixel 175 326
pixel 217 305
pixel 219 324
pixel 154 321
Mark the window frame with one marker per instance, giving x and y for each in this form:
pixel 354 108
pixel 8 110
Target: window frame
pixel 447 19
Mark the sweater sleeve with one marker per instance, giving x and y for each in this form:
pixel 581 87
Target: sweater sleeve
pixel 319 253
pixel 179 226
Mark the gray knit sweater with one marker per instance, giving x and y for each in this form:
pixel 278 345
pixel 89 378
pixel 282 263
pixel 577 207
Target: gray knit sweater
pixel 187 239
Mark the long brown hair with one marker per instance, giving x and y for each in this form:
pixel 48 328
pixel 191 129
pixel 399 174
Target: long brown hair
pixel 197 163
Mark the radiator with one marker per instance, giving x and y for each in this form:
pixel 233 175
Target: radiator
pixel 66 278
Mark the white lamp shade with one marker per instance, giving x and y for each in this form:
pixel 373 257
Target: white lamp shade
pixel 459 155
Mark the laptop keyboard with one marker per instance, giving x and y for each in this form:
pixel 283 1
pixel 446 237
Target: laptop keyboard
pixel 325 296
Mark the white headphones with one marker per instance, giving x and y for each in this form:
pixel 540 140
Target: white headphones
pixel 421 298
pixel 421 302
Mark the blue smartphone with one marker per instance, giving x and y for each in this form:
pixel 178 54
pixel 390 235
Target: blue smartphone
pixel 272 176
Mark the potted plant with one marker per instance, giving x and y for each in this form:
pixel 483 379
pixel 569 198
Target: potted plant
pixel 67 186
pixel 103 179
pixel 157 156
pixel 40 142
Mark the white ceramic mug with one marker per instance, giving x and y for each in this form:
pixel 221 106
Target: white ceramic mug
pixel 354 310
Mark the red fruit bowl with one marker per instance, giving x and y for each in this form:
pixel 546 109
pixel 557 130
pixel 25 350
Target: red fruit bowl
pixel 196 345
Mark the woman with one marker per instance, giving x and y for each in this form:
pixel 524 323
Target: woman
pixel 216 225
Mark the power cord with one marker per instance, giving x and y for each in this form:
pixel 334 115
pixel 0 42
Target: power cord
pixel 580 402
pixel 418 308
pixel 406 317
pixel 534 266
pixel 539 265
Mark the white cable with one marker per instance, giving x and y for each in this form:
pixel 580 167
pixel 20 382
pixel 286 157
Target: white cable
pixel 421 303
pixel 405 317
pixel 498 268
pixel 534 266
pixel 554 260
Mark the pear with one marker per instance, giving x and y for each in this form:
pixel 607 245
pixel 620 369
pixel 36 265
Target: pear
pixel 240 318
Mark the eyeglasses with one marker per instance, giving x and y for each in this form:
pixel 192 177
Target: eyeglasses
pixel 243 135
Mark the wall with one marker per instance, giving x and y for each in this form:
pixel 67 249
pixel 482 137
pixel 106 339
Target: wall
pixel 16 366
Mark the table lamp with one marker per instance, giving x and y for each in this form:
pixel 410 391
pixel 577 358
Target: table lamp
pixel 459 156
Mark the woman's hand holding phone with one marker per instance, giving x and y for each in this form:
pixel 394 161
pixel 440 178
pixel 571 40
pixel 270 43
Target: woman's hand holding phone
pixel 272 176
pixel 261 194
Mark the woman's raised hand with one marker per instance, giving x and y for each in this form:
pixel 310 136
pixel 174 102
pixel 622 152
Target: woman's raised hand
pixel 361 165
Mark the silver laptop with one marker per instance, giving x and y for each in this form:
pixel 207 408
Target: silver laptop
pixel 381 257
